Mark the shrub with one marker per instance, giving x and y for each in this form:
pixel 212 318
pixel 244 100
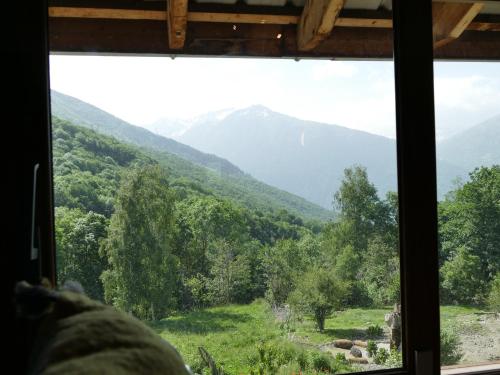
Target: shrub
pixel 321 362
pixel 374 331
pixel 303 359
pixel 381 356
pixel 494 296
pixel 450 348
pixel 395 359
pixel 371 348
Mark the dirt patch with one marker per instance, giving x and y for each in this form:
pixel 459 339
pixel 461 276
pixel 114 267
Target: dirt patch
pixel 479 337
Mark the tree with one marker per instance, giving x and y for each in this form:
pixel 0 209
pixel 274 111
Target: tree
pixel 470 217
pixel 230 275
pixel 462 279
pixel 284 264
pixel 78 237
pixel 319 293
pixel 358 205
pixel 380 273
pixel 143 274
pixel 494 295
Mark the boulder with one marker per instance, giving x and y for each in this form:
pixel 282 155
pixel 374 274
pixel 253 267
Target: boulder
pixel 363 344
pixel 356 352
pixel 342 343
pixel 361 361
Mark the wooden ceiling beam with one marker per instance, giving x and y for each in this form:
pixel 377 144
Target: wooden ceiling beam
pixel 316 22
pixel 177 11
pixel 217 17
pixel 451 19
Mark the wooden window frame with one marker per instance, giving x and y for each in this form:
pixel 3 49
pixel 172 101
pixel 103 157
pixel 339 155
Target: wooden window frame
pixel 416 156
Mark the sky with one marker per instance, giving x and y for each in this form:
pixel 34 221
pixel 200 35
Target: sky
pixel 354 94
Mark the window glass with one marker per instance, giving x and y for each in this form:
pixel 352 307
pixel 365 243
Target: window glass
pixel 468 173
pixel 245 209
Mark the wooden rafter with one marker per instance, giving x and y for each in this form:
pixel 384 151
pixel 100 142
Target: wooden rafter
pixel 270 19
pixel 177 23
pixel 450 20
pixel 316 22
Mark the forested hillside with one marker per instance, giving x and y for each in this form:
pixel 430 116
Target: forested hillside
pixel 159 237
pixel 207 170
pixel 477 146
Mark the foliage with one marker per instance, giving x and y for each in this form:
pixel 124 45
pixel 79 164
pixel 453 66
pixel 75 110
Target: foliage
pixel 494 296
pixel 469 230
pixel 462 279
pixel 381 356
pixel 371 348
pixel 319 293
pixel 395 359
pixel 450 347
pixel 143 271
pixel 374 331
pixel 78 237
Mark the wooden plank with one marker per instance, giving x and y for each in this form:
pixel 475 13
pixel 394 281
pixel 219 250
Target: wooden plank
pixel 177 22
pixel 450 20
pixel 95 36
pixel 316 22
pixel 100 13
pixel 274 19
pixel 363 22
pixel 242 18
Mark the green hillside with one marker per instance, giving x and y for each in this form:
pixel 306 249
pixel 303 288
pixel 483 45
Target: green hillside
pixel 88 166
pixel 475 147
pixel 207 171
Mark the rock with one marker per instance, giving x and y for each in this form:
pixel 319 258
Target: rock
pixel 356 352
pixel 344 344
pixel 363 344
pixel 361 361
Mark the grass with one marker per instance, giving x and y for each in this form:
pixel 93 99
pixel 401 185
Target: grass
pixel 232 334
pixel 348 324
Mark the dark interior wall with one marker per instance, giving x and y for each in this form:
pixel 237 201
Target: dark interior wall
pixel 25 135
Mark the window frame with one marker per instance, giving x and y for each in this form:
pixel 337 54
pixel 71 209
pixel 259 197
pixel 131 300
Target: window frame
pixel 416 160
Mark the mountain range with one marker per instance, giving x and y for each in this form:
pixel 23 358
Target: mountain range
pixel 308 158
pixel 212 172
pixel 301 157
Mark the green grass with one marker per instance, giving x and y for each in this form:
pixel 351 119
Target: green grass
pixel 230 333
pixel 347 324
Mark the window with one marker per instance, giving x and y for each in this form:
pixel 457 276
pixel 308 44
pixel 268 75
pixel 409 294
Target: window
pixel 414 111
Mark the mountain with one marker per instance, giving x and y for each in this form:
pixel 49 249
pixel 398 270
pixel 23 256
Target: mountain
pixel 303 157
pixel 212 172
pixel 84 114
pixel 308 158
pixel 476 146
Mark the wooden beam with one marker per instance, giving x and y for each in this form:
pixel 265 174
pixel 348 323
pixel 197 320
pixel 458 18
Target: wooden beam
pixel 177 23
pixel 272 19
pixel 450 20
pixel 96 36
pixel 316 22
pixel 242 18
pixel 102 13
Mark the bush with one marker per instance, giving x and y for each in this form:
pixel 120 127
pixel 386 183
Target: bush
pixel 395 359
pixel 374 331
pixel 381 356
pixel 303 359
pixel 321 362
pixel 494 296
pixel 371 348
pixel 450 348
